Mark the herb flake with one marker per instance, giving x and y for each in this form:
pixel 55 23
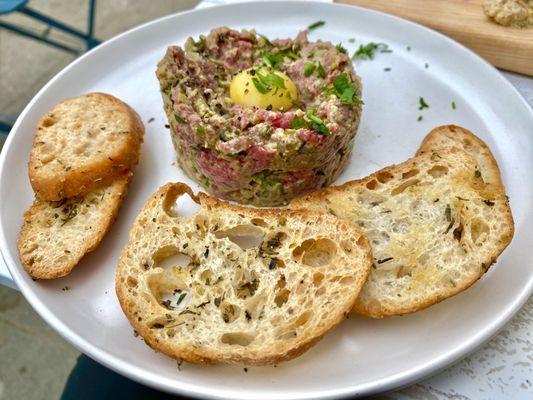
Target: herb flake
pixel 422 103
pixel 309 69
pixel 367 51
pixel 345 90
pixel 298 123
pixel 317 123
pixel 316 25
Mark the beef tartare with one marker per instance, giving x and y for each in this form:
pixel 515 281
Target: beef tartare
pixel 259 121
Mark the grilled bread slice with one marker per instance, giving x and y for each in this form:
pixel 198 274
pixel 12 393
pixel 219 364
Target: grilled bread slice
pixel 232 284
pixel 434 224
pixel 82 143
pixel 447 136
pixel 56 235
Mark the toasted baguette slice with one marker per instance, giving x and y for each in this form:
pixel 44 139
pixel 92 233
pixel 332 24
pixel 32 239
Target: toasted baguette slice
pixel 56 235
pixel 83 143
pixel 231 284
pixel 435 227
pixel 447 136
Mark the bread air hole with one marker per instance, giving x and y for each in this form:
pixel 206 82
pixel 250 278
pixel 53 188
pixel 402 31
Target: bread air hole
pixel 157 323
pixel 229 312
pixel 247 289
pixel 479 231
pixel 409 174
pixel 437 171
pixel 372 185
pixel 244 236
pixel 401 188
pixel 315 253
pixel 169 257
pixel 259 222
pixel 384 176
pixel 177 204
pixel 346 245
pixel 169 291
pixel 282 297
pixel 318 277
pixel 49 121
pixel 273 241
pixel 237 338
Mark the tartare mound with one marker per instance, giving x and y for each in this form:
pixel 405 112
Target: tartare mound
pixel 253 155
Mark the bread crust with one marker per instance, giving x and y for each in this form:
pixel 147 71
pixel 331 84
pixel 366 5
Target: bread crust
pixel 441 141
pixel 48 260
pixel 276 352
pixel 446 136
pixel 56 182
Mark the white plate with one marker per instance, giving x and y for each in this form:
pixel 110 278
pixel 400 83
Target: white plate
pixel 362 356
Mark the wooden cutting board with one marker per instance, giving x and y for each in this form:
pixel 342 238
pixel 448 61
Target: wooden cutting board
pixel 465 21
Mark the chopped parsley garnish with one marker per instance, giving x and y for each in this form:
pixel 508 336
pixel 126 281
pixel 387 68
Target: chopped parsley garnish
pixel 386 69
pixel 298 123
pixel 420 118
pixel 200 129
pixel 320 70
pixel 272 60
pixel 265 83
pixel 351 40
pixel 315 25
pixel 179 119
pixel 272 79
pixel 317 123
pixel 408 48
pixel 260 86
pixel 344 90
pixel 289 53
pixel 426 65
pixel 422 103
pixel 367 51
pixel 267 40
pixel 341 48
pixel 309 69
pixel 454 106
pixel 65 288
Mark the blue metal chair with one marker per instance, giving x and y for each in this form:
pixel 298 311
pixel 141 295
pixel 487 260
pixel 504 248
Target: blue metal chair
pixel 9 6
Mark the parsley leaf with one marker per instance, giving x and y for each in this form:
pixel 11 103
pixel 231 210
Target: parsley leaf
pixel 422 103
pixel 272 79
pixel 298 123
pixel 289 53
pixel 317 123
pixel 341 48
pixel 315 25
pixel 264 83
pixel 320 70
pixel 367 51
pixel 309 69
pixel 260 86
pixel 271 60
pixel 267 40
pixel 344 90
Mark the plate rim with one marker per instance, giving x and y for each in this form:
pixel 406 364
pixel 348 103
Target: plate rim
pixel 196 390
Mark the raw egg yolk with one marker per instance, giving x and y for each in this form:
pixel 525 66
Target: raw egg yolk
pixel 263 88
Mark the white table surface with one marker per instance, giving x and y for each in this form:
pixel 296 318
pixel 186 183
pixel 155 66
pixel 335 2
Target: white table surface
pixel 500 369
